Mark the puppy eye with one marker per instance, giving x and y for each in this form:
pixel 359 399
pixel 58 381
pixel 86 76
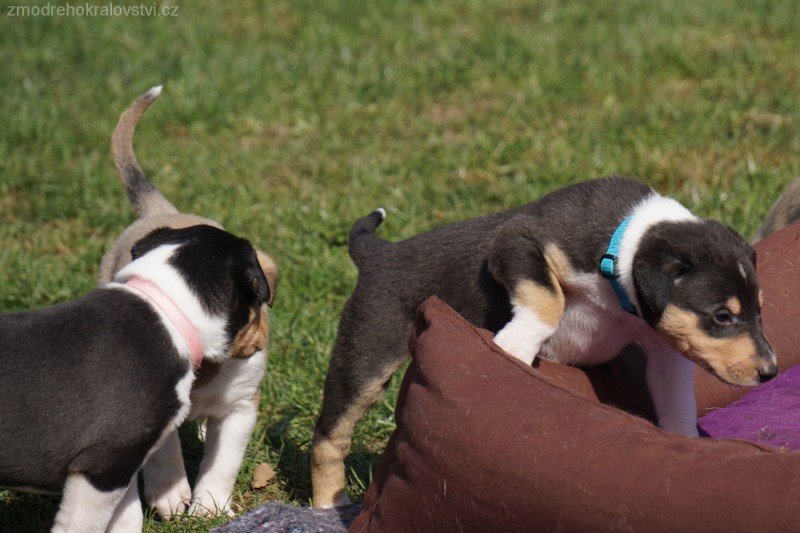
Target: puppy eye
pixel 723 317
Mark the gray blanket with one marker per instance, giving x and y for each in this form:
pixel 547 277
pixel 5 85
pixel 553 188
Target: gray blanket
pixel 283 518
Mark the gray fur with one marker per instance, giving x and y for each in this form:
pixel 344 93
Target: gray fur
pixel 782 213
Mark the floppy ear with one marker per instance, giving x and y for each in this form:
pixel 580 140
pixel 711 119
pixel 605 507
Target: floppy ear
pixel 154 238
pixel 270 270
pixel 653 279
pixel 257 282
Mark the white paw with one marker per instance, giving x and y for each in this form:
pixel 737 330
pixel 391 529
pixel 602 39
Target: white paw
pixel 210 506
pixel 523 335
pixel 170 501
pixel 518 346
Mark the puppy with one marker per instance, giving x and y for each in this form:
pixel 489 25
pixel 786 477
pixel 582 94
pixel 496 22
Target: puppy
pixel 88 388
pixel 224 395
pixel 574 278
pixel 783 212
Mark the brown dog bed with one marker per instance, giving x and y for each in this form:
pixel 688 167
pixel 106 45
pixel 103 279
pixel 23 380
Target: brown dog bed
pixel 485 443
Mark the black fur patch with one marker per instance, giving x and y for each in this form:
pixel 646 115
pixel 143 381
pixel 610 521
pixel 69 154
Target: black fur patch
pixel 87 386
pixel 216 265
pixel 697 266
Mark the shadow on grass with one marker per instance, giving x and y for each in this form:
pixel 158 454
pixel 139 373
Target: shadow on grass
pixel 30 513
pixel 294 463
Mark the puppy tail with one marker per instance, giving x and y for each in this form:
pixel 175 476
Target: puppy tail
pixel 144 197
pixel 362 235
pixel 782 213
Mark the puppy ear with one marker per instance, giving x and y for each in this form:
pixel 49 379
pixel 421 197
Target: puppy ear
pixel 153 239
pixel 257 282
pixel 270 270
pixel 653 279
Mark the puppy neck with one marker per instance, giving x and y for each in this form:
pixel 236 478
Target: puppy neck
pixel 650 211
pixel 155 269
pixel 173 313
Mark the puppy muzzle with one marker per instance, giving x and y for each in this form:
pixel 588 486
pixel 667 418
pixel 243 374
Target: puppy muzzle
pixel 768 364
pixel 767 370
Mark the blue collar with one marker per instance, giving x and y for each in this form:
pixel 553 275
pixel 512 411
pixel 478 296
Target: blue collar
pixel 608 265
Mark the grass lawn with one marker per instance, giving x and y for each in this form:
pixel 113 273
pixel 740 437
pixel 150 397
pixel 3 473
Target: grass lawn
pixel 287 120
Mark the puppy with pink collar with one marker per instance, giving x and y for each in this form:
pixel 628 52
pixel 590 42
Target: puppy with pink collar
pixel 224 397
pixel 90 387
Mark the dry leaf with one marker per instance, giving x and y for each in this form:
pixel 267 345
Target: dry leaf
pixel 262 474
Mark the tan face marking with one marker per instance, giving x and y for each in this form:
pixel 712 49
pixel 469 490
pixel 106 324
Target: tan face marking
pixel 253 337
pixel 734 305
pixel 546 303
pixel 760 299
pixel 733 359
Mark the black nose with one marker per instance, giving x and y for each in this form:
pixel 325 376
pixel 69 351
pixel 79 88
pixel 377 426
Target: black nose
pixel 767 371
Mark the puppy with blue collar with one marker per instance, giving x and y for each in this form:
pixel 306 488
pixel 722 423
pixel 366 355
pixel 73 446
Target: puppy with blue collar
pixel 574 278
pixel 89 387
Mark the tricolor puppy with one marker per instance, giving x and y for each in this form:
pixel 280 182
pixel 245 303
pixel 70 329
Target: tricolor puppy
pixel 224 395
pixel 573 277
pixel 88 388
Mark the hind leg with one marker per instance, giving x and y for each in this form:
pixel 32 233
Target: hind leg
pixel 86 508
pixel 128 515
pixel 356 380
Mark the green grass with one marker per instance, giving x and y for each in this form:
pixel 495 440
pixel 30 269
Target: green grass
pixel 286 120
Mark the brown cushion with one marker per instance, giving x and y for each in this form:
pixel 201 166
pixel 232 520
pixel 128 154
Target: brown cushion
pixel 485 443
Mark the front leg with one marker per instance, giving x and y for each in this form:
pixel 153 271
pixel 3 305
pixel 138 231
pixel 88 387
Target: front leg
pixel 225 444
pixel 670 379
pixel 532 274
pixel 524 335
pixel 166 488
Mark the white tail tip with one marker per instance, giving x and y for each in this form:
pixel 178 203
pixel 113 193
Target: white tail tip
pixel 154 92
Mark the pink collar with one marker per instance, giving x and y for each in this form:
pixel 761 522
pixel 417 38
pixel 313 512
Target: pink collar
pixel 175 315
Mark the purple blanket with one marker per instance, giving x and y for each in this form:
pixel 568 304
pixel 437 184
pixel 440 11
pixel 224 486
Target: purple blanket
pixel 769 414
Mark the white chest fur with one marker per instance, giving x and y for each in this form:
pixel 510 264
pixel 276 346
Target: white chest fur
pixel 594 328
